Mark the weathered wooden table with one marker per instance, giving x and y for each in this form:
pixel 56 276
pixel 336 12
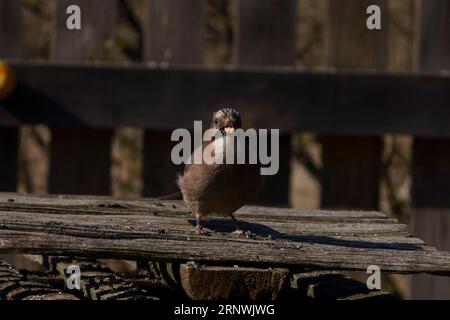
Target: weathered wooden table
pixel 163 231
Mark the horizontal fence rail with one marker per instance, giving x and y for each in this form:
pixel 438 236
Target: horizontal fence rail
pixel 159 98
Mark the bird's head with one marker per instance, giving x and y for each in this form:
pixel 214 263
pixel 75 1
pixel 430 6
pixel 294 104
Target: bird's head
pixel 226 120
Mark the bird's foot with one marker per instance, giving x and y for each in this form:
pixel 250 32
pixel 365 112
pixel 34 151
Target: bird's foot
pixel 245 234
pixel 238 232
pixel 201 231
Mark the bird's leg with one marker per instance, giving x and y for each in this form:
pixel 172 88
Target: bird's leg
pixel 238 230
pixel 199 227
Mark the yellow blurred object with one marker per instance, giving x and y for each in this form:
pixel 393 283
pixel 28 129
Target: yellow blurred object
pixel 7 80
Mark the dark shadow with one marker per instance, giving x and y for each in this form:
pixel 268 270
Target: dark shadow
pixel 32 107
pixel 260 230
pixel 331 287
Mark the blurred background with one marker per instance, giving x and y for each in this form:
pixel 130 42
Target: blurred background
pixel 370 172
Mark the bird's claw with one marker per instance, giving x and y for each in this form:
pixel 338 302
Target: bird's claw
pixel 240 232
pixel 202 232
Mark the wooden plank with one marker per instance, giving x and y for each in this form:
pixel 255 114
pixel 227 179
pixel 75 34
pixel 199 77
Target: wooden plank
pixel 352 45
pixel 173 34
pixel 62 204
pixel 266 37
pixel 357 103
pixel 80 157
pixel 431 158
pixel 10 47
pixel 116 229
pixel 310 230
pixel 116 242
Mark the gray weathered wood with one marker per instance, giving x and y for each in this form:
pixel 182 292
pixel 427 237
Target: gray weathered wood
pixel 351 162
pixel 142 96
pixel 80 158
pixel 99 205
pixel 265 36
pixel 121 233
pixel 431 157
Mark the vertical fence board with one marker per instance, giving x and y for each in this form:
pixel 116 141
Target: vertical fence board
pixel 432 30
pixel 173 33
pixel 10 47
pixel 351 172
pixel 10 29
pixel 352 165
pixel 431 157
pixel 265 35
pixel 265 32
pixel 80 158
pixel 8 159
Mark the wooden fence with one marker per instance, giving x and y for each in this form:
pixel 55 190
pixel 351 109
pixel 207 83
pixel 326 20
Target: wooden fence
pixel 83 102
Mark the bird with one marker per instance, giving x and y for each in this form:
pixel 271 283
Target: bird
pixel 219 189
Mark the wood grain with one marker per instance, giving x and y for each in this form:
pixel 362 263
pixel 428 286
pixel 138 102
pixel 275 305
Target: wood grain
pixel 164 231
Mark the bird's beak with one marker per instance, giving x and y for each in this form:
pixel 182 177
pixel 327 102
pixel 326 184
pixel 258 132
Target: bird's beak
pixel 229 129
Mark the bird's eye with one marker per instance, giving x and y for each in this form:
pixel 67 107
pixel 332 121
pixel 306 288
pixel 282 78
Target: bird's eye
pixel 216 121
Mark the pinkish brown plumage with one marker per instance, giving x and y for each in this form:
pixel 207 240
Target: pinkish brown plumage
pixel 219 189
